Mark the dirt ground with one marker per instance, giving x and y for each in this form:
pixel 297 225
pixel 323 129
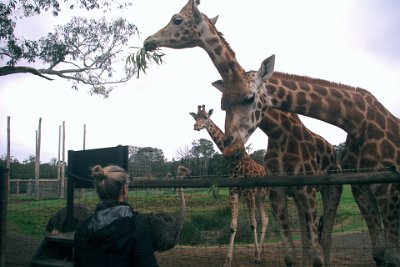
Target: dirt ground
pixel 347 250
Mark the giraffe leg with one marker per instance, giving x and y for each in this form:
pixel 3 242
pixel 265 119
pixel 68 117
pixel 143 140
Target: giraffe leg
pixel 369 209
pixel 330 202
pixel 260 200
pixel 305 198
pixel 234 202
pixel 304 237
pixel 278 200
pixel 390 211
pixel 251 207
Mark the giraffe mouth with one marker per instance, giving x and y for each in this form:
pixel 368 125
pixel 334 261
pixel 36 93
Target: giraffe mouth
pixel 149 45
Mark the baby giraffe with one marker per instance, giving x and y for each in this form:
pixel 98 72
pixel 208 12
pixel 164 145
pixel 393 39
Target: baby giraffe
pixel 242 166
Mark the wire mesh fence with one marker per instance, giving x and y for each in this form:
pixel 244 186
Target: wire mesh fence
pixel 204 239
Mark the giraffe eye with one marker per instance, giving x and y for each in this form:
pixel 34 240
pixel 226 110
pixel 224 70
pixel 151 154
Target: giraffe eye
pixel 248 100
pixel 177 20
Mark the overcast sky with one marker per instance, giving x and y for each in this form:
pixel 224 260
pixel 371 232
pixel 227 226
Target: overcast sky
pixel 346 41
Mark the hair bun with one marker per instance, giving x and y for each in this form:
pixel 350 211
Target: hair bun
pixel 98 172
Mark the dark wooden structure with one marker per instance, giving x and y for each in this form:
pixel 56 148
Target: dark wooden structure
pixel 57 249
pixel 3 212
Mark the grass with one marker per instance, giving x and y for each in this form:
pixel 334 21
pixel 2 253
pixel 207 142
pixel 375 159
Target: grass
pixel 207 221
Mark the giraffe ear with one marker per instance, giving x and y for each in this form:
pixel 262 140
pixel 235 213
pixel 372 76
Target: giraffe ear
pixel 266 70
pixel 196 13
pixel 219 84
pixel 210 112
pixel 214 20
pixel 193 114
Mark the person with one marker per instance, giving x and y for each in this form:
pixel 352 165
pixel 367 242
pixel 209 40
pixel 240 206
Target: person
pixel 112 236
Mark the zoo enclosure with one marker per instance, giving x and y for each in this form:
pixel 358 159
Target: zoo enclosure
pixel 145 185
pixel 372 177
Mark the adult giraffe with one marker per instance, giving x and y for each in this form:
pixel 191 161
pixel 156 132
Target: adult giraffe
pixel 305 152
pixel 242 165
pixel 373 140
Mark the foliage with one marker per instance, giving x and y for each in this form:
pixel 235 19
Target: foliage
pixel 202 148
pixel 26 168
pixel 258 156
pixel 142 57
pixel 339 149
pixel 207 222
pixel 84 51
pixel 147 162
pixel 214 191
pixel 219 166
pixel 201 152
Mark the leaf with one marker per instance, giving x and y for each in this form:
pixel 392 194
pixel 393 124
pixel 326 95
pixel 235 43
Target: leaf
pixel 142 57
pixel 214 191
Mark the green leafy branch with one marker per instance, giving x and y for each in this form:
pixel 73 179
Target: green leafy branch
pixel 141 58
pixel 214 191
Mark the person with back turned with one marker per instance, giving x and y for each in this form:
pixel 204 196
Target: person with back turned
pixel 112 236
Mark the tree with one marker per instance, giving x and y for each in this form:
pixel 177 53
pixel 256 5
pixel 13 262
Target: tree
pixel 219 166
pixel 84 51
pixel 148 161
pixel 202 151
pixel 339 149
pixel 258 156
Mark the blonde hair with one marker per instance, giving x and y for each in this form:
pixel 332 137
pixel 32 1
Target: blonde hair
pixel 109 181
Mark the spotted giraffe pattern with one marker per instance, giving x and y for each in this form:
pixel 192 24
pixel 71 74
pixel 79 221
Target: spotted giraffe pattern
pixel 373 138
pixel 242 166
pixel 294 149
pixel 190 28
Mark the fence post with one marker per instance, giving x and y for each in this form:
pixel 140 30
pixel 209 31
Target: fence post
pixel 62 179
pixel 4 177
pixel 70 192
pixel 37 159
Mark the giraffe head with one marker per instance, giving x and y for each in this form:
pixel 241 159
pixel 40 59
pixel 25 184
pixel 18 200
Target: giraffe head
pixel 244 101
pixel 202 118
pixel 203 121
pixel 186 29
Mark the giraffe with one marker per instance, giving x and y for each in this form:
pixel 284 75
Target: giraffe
pixel 373 137
pixel 190 28
pixel 242 166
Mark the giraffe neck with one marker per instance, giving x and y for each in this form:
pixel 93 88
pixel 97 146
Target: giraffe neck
pixel 216 134
pixel 220 52
pixel 346 107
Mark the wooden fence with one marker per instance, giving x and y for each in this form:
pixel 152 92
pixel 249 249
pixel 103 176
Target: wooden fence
pixel 373 177
pixel 48 188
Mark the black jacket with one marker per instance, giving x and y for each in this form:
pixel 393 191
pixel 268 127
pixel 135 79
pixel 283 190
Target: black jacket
pixel 113 237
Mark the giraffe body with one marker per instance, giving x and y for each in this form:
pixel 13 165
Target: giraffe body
pixel 190 28
pixel 294 149
pixel 242 166
pixel 373 140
